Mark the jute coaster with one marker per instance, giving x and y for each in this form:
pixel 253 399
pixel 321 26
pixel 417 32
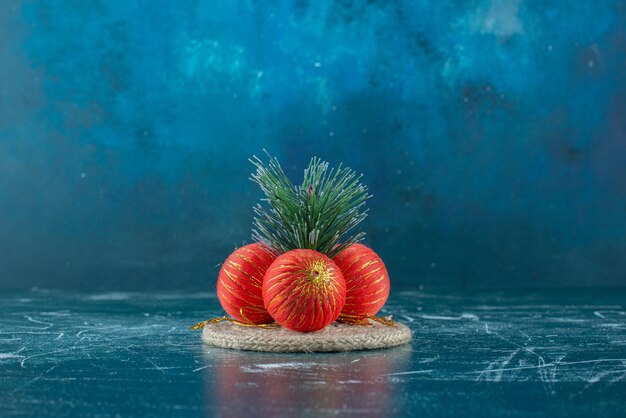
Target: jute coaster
pixel 335 337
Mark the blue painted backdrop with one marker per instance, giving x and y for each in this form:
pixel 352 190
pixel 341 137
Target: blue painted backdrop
pixel 492 134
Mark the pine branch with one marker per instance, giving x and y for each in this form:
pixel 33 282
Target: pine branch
pixel 319 214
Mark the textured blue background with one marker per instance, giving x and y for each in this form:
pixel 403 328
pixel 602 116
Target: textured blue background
pixel 492 134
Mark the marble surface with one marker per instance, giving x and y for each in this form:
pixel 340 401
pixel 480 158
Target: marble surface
pixel 486 354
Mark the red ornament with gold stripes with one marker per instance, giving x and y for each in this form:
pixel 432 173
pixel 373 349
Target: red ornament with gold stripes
pixel 239 284
pixel 367 280
pixel 304 290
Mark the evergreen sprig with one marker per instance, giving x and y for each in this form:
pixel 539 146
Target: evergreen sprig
pixel 319 214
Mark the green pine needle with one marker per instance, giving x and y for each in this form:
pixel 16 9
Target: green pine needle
pixel 317 215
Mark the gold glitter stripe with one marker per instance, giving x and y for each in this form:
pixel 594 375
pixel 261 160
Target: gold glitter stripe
pixel 234 321
pixel 363 320
pixel 231 289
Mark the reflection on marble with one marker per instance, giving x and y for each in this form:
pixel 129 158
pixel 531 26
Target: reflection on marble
pixel 496 354
pixel 322 383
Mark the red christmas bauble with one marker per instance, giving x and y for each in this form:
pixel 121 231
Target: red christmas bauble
pixel 239 284
pixel 304 290
pixel 367 280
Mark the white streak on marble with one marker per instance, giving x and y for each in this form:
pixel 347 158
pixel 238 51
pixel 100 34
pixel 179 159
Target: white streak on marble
pixel 30 382
pixel 411 372
pixel 47 324
pixel 574 320
pixel 56 313
pixel 501 363
pixel 15 354
pixel 274 366
pixel 146 358
pixel 110 296
pixel 598 377
pixel 471 317
pixel 568 363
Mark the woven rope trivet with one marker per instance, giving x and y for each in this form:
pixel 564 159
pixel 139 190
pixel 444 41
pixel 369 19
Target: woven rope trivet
pixel 335 337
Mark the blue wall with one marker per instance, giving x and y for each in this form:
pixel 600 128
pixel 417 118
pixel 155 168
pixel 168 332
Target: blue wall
pixel 492 134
